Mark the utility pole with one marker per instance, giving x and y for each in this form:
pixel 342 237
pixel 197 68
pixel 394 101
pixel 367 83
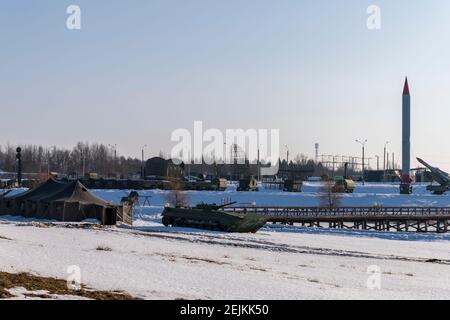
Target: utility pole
pixel 378 163
pixel 384 160
pixel 334 165
pixel 114 150
pixel 393 160
pixel 48 164
pixel 363 144
pixel 19 166
pixel 143 162
pixel 387 161
pixel 259 166
pixel 287 154
pixel 317 153
pixel 189 166
pixel 83 164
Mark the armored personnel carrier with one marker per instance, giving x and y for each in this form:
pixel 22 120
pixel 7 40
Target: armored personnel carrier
pixel 211 217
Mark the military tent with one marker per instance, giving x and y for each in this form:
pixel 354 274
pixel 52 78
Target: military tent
pixel 61 201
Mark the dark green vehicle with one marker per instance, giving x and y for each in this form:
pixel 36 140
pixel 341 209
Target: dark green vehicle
pixel 210 217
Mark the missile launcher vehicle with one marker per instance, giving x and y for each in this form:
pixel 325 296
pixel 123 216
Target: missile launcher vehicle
pixel 441 177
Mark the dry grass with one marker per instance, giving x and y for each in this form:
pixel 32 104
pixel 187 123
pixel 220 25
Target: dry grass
pixel 103 248
pixel 196 259
pixel 52 286
pixel 173 258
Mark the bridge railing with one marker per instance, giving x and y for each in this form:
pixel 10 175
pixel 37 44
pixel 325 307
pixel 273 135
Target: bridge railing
pixel 341 211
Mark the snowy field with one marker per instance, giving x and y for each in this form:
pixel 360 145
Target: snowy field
pixel 279 262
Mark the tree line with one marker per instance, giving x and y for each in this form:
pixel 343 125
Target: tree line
pixel 83 158
pixel 95 157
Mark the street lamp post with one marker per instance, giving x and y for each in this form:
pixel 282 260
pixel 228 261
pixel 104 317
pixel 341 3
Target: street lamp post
pixel 363 144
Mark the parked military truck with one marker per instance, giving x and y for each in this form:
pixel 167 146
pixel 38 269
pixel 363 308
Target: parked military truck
pixel 211 217
pixel 219 184
pixel 292 185
pixel 343 184
pixel 248 184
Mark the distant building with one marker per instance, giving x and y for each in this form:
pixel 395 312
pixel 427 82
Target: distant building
pixel 423 176
pixel 228 171
pixel 374 175
pixel 158 166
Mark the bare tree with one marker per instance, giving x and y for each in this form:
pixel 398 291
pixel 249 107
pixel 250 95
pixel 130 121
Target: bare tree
pixel 328 197
pixel 90 157
pixel 175 196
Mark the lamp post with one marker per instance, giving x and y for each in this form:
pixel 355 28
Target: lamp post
pixel 363 144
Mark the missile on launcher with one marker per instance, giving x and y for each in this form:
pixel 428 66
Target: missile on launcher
pixel 441 177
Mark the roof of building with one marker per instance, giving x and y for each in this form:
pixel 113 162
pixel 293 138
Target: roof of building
pixel 53 190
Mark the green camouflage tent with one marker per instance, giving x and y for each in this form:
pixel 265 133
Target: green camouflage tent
pixel 63 201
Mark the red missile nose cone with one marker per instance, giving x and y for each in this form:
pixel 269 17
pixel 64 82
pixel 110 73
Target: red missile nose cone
pixel 406 88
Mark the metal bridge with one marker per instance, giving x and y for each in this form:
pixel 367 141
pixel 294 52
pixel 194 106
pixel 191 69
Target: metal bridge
pixel 418 219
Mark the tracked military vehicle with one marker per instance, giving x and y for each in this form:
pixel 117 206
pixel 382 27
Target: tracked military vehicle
pixel 211 217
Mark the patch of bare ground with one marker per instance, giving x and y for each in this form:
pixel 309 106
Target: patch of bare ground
pixel 71 225
pixel 323 283
pixel 173 258
pixel 52 286
pixel 103 248
pixel 257 269
pixel 399 274
pixel 196 259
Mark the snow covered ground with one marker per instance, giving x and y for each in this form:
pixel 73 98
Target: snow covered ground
pixel 272 264
pixel 279 262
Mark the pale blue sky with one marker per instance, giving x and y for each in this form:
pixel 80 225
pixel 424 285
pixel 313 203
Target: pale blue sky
pixel 140 69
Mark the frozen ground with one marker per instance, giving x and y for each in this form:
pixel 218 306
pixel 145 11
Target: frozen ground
pixel 279 262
